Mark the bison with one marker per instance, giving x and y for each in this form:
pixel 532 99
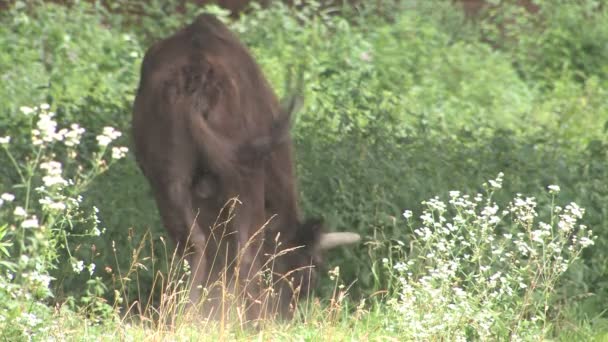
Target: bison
pixel 208 128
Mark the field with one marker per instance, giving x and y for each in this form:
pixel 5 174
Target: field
pixel 470 153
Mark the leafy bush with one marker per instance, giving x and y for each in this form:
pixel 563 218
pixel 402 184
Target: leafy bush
pixel 43 216
pixel 87 71
pixel 476 271
pixel 563 36
pixel 66 57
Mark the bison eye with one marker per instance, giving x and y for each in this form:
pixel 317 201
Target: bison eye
pixel 205 187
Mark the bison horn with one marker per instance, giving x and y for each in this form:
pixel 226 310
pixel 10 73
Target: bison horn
pixel 331 240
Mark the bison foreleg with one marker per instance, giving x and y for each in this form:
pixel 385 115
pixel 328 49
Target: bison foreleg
pixel 176 209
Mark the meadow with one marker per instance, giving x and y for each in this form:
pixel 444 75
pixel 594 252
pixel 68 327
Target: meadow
pixel 470 153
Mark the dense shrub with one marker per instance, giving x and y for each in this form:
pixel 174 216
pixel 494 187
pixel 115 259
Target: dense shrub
pixel 480 269
pixel 43 218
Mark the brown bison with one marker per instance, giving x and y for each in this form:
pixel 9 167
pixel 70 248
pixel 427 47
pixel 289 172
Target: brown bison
pixel 208 128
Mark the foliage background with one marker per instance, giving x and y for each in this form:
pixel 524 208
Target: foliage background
pixel 404 101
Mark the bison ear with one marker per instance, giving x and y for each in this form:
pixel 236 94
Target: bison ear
pixel 294 100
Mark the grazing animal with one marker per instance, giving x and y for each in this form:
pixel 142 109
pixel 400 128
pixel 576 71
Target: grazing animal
pixel 207 128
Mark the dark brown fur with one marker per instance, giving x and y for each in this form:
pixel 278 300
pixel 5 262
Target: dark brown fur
pixel 207 127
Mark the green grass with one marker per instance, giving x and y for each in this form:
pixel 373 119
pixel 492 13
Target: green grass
pixel 360 326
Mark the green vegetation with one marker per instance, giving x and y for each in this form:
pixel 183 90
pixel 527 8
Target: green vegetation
pixel 411 111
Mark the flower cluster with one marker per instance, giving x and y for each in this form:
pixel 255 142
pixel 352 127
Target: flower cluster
pixel 72 136
pixel 6 197
pixel 53 174
pixel 108 135
pixel 46 128
pixel 45 207
pixel 482 268
pixel 119 152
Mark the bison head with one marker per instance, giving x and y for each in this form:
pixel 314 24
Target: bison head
pixel 295 263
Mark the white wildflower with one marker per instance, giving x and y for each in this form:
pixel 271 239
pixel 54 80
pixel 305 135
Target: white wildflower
pixel 40 278
pixel 5 140
pixel 111 132
pixel 19 211
pixel 45 201
pixel 400 267
pixel 78 266
pixel 407 214
pixel 26 110
pixel 108 135
pixel 424 232
pixel 103 140
pixel 119 152
pixel 36 137
pixel 495 184
pixel 7 197
pixel 555 248
pixel 334 273
pixel 494 220
pixel 30 319
pixel 51 167
pixel 537 235
pixel 72 137
pixel 57 206
pixel 45 106
pixel 575 210
pixel 489 210
pixel 436 204
pixel 30 223
pixel 544 226
pixel 553 189
pixel 586 242
pixel 50 181
pixel 61 134
pixel 427 218
pixel 47 127
pixel 566 223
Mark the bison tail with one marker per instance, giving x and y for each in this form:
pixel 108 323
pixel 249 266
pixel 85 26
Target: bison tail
pixel 226 157
pixel 218 152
